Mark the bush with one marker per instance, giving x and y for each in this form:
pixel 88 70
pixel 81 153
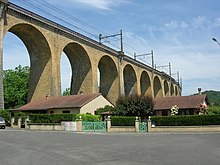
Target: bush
pixel 5 114
pixel 88 117
pixel 122 120
pixel 19 115
pixel 107 108
pixel 193 120
pixel 214 110
pixel 51 118
pixel 134 105
pixel 56 118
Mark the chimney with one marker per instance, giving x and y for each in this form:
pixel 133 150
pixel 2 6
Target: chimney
pixel 199 91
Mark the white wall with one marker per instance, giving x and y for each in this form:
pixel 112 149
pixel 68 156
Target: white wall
pixel 92 106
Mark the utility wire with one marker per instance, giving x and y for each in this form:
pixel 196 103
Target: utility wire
pixel 63 16
pixel 43 2
pixel 58 18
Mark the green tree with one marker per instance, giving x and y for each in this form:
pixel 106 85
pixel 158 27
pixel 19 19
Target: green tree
pixel 66 92
pixel 16 86
pixel 107 108
pixel 213 97
pixel 214 110
pixel 134 105
pixel 5 114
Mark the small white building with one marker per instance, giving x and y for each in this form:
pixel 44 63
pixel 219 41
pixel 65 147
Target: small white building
pixel 83 103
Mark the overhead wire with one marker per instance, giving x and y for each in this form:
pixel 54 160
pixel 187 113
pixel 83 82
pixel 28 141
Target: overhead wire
pixel 63 16
pixel 58 18
pixel 70 16
pixel 64 20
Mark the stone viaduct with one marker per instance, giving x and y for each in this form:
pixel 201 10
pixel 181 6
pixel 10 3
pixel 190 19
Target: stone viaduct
pixel 45 41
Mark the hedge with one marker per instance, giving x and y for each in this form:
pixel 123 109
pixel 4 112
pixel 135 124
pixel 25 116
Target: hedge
pixel 122 121
pixel 19 115
pixel 188 120
pixel 88 117
pixel 51 118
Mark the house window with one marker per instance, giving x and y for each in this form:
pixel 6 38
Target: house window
pixel 51 112
pixel 65 111
pixel 164 113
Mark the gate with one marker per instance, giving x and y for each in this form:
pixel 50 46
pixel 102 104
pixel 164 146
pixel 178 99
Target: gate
pixel 94 126
pixel 143 127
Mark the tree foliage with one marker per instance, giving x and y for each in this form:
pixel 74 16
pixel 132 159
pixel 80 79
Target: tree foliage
pixel 5 114
pixel 107 108
pixel 88 117
pixel 213 97
pixel 16 86
pixel 66 92
pixel 214 110
pixel 134 105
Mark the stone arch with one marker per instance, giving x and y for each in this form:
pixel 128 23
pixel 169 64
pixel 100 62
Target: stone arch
pixel 171 90
pixel 166 88
pixel 157 87
pixel 81 80
pixel 108 74
pixel 40 60
pixel 130 80
pixel 145 84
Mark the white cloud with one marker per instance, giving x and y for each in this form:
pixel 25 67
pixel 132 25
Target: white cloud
pixel 188 46
pixel 101 4
pixel 171 25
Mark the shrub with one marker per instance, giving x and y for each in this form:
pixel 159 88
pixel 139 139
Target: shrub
pixel 188 120
pixel 88 117
pixel 214 110
pixel 107 108
pixel 5 114
pixel 122 120
pixel 134 105
pixel 51 118
pixel 19 115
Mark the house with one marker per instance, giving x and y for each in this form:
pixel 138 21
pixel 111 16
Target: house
pixel 83 103
pixel 187 105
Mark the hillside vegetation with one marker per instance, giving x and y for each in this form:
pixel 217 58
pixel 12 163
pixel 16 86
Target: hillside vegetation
pixel 213 97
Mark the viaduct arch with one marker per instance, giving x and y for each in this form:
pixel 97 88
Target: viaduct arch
pixel 46 40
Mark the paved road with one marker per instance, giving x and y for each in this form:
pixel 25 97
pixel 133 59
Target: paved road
pixel 67 148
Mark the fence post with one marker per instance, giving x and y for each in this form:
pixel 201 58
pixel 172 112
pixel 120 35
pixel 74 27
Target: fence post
pixel 149 124
pixel 136 124
pixel 79 124
pixel 108 124
pixel 19 122
pixel 12 122
pixel 26 122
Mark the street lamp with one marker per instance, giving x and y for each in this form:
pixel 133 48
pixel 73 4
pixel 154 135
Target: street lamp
pixel 214 39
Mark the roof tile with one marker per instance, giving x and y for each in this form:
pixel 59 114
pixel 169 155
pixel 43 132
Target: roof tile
pixel 183 102
pixel 53 102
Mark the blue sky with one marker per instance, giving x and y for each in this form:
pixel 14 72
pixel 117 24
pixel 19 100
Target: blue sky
pixel 179 32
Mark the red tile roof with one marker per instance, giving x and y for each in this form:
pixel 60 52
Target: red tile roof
pixel 182 102
pixel 55 102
